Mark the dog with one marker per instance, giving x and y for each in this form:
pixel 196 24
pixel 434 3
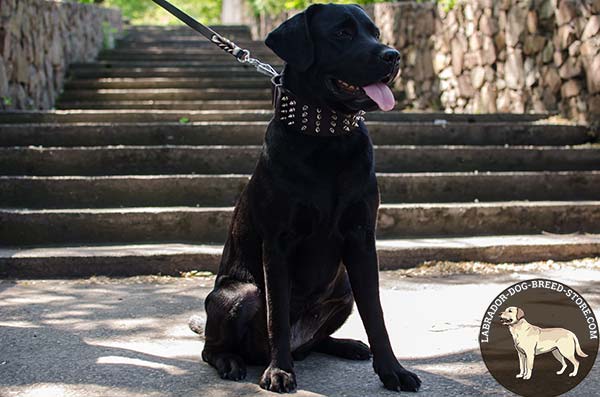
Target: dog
pixel 301 246
pixel 531 340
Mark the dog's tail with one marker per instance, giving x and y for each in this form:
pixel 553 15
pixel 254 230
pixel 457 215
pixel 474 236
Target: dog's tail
pixel 580 352
pixel 195 323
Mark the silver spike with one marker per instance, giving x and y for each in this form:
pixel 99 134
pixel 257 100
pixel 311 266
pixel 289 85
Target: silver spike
pixel 304 128
pixel 305 107
pixel 332 130
pixel 317 130
pixel 304 121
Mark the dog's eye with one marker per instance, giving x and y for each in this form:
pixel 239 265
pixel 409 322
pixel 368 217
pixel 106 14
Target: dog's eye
pixel 343 34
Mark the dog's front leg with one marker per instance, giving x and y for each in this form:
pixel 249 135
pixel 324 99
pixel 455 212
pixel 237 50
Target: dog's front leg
pixel 279 375
pixel 529 359
pixel 521 364
pixel 360 259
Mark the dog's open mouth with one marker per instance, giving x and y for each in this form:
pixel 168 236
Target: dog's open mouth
pixel 505 321
pixel 379 92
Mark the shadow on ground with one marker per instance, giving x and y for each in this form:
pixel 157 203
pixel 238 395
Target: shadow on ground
pixel 130 338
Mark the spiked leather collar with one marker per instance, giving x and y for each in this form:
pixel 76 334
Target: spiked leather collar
pixel 309 119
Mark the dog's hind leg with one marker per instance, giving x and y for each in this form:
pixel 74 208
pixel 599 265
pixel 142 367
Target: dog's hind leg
pixel 328 318
pixel 566 347
pixel 561 360
pixel 575 363
pixel 230 310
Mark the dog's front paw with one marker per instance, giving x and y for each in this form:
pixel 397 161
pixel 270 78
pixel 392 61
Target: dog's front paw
pixel 277 380
pixel 527 376
pixel 397 378
pixel 519 376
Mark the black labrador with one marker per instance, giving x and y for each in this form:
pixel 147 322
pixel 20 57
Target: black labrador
pixel 301 246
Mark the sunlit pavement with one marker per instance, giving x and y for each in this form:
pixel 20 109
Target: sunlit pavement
pixel 129 337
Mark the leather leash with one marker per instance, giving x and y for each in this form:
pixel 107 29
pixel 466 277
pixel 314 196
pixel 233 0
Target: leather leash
pixel 242 55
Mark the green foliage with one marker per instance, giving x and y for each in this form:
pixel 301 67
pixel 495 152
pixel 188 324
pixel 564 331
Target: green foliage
pixel 146 12
pixel 108 35
pixel 6 101
pixel 273 7
pixel 184 120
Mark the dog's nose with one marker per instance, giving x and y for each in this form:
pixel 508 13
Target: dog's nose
pixel 390 55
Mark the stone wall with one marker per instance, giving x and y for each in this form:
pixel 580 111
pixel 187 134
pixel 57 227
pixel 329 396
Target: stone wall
pixel 498 56
pixel 487 56
pixel 39 39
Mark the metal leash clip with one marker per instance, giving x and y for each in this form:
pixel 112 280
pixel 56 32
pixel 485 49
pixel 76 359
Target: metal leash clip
pixel 261 67
pixel 223 43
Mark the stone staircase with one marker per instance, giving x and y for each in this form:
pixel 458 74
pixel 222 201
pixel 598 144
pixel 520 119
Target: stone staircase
pixel 138 171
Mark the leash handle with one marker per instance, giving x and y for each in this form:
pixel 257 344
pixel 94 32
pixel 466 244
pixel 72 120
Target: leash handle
pixel 242 55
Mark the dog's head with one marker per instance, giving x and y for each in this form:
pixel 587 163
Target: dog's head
pixel 333 55
pixel 511 315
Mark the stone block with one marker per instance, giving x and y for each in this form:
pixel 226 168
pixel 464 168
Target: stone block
pixel 592 73
pixel 548 52
pixel 566 11
pixel 571 88
pixel 532 22
pixel 478 77
pixel 571 68
pixel 533 44
pixel 591 28
pixel 565 36
pixel 515 25
pixel 514 69
pixel 465 87
pixel 552 80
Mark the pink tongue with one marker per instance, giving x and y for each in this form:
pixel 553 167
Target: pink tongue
pixel 381 95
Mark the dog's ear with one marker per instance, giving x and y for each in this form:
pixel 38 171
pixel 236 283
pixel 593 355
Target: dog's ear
pixel 292 42
pixel 520 313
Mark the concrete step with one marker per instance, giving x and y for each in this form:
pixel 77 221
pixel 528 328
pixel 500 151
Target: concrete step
pixel 180 42
pixel 173 258
pixel 225 66
pixel 252 133
pixel 162 94
pixel 223 190
pixel 165 104
pixel 210 224
pixel 180 159
pixel 167 72
pixel 146 116
pixel 258 49
pixel 208 56
pixel 161 82
pixel 158 33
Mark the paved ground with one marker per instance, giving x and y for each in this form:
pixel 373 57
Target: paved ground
pixel 128 337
